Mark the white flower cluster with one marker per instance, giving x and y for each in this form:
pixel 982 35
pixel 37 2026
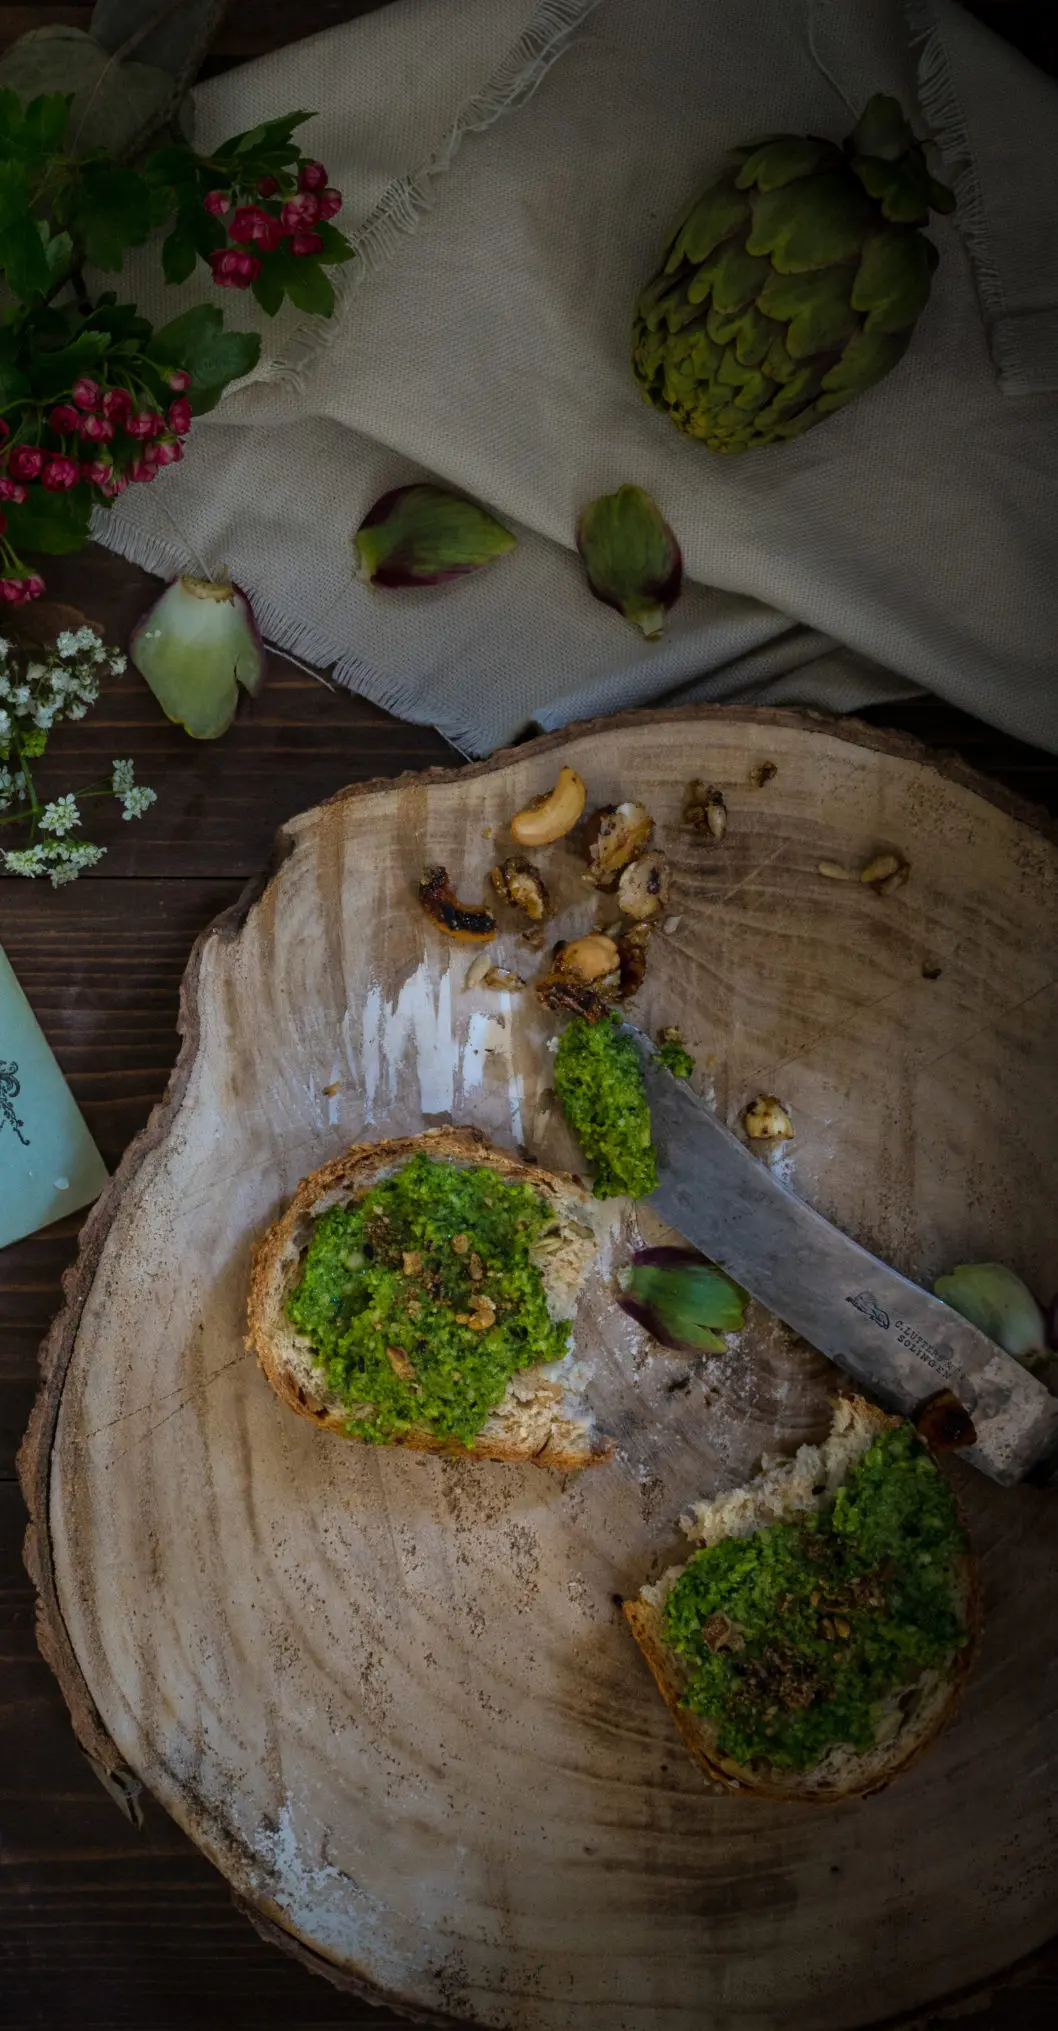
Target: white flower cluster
pixel 134 798
pixel 34 696
pixel 62 859
pixel 60 686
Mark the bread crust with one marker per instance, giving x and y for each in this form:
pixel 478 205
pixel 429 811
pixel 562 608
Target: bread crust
pixel 839 1776
pixel 560 1441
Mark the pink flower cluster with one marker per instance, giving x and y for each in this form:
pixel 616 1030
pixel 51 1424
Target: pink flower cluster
pixel 96 419
pixel 253 226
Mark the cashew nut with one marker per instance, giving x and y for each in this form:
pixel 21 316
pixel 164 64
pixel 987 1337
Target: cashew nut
pixel 588 958
pixel 766 1120
pixel 545 819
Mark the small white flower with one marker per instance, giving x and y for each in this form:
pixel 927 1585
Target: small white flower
pixel 78 853
pixel 118 665
pixel 27 860
pixel 138 800
pixel 61 816
pixel 66 644
pixel 122 776
pixel 5 725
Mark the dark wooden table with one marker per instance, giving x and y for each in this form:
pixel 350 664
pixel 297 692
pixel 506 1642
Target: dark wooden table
pixel 103 1928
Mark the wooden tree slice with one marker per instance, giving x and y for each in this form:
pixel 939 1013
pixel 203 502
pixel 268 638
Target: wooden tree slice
pixel 390 1696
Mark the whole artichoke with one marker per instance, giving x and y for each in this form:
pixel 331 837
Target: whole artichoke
pixel 792 285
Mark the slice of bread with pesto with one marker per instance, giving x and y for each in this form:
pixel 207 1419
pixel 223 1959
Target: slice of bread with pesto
pixel 419 1292
pixel 818 1640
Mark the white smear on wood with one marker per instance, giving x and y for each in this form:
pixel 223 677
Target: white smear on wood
pixel 323 1902
pixel 421 1019
pixel 370 1047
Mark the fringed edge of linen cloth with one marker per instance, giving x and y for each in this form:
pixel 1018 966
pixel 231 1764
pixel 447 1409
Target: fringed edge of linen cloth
pixel 318 653
pixel 401 207
pixel 943 109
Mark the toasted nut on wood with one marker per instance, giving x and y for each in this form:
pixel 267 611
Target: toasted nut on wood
pixel 632 947
pixel 766 1120
pixel 455 919
pixel 588 958
pixel 522 885
pixel 615 835
pixel 704 809
pixel 886 872
pixel 548 818
pixel 565 996
pixel 643 889
pixel 501 977
pixel 834 871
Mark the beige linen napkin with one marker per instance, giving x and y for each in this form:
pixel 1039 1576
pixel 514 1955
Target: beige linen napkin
pixel 908 542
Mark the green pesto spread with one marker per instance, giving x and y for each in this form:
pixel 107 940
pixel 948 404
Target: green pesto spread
pixel 673 1052
pixel 793 1636
pixel 421 1300
pixel 600 1087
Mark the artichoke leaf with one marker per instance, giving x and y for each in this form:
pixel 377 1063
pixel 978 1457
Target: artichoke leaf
pixel 714 218
pixel 892 281
pixel 782 160
pixel 811 226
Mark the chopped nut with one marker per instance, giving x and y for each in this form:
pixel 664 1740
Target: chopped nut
pixel 483 1315
pixel 671 926
pixel 522 885
pixel 643 889
pixel 413 1308
pixel 330 1091
pixel 400 1364
pixel 545 819
pixel 763 773
pixel 476 1267
pixel 455 919
pixel 719 1632
pixel 705 809
pixel 766 1120
pixel 826 1629
pixel 594 958
pixel 834 871
pixel 615 835
pixel 412 1262
pixel 564 996
pixel 501 978
pixel 460 1243
pixel 886 872
pixel 477 970
pixel 534 937
pixel 632 947
pixel 841 1626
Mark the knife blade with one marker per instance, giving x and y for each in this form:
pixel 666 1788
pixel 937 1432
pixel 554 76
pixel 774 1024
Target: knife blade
pixel 902 1343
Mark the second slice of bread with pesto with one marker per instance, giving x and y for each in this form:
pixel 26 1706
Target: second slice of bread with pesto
pixel 420 1292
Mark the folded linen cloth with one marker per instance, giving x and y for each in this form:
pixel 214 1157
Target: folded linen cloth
pixel 483 339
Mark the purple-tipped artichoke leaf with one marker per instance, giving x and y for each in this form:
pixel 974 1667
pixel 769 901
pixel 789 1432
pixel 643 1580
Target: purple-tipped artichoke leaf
pixel 631 556
pixel 683 1300
pixel 423 535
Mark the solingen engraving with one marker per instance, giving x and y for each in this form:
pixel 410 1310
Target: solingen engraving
pixel 908 1336
pixel 9 1092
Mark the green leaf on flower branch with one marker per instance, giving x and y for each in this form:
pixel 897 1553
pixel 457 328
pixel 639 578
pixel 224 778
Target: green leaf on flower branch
pixel 111 209
pixel 212 356
pixel 52 373
pixel 55 523
pixel 22 256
